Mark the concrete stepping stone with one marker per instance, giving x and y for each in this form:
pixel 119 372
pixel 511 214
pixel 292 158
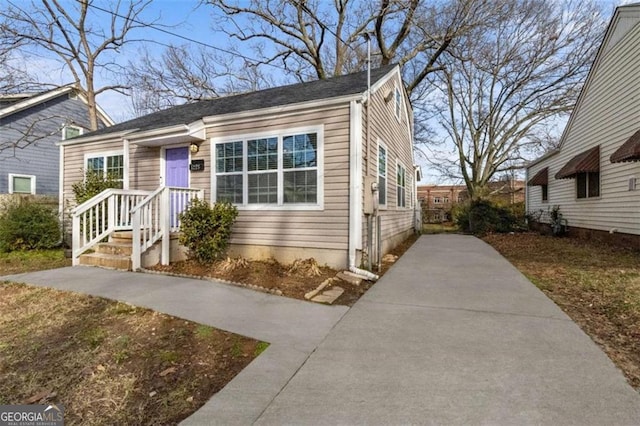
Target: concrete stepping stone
pixel 329 296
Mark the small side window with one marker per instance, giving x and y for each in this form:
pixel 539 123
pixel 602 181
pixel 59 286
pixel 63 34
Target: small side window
pixel 22 184
pixel 398 102
pixel 70 131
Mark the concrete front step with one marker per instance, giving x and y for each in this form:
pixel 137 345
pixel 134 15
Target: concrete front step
pixel 104 260
pixel 123 237
pixel 119 248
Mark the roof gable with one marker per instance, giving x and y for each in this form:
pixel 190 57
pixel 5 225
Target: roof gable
pixel 25 101
pixel 351 84
pixel 624 20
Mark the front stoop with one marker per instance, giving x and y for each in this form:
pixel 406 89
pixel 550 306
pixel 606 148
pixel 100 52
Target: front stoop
pixel 116 254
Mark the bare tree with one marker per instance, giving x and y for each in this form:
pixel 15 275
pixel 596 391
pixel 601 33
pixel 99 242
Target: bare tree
pixel 309 40
pixel 188 75
pixel 84 37
pixel 502 86
pixel 318 39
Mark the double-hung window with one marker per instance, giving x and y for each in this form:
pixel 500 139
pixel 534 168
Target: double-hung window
pixel 588 185
pixel 401 186
pixel 229 170
pixel 276 170
pixel 109 164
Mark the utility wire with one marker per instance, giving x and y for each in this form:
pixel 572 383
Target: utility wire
pixel 201 43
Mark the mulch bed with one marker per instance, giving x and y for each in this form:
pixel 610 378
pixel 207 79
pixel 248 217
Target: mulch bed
pixel 272 276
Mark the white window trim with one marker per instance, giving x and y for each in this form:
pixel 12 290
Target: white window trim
pixel 398 165
pixel 104 154
pixel 279 134
pixel 64 128
pixel 14 175
pixel 386 174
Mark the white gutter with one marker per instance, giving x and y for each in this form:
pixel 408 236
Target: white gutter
pixel 107 137
pixel 355 188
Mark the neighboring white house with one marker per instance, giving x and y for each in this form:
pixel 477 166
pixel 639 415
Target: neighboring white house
pixel 296 160
pixel 592 176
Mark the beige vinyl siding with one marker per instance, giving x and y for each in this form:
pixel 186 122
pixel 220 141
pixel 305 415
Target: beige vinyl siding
pixel 74 164
pixel 144 167
pixel 202 180
pixel 395 135
pixel 325 229
pixel 607 116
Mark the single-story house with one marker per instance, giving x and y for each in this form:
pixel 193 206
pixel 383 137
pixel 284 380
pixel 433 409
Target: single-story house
pixel 31 124
pixel 592 176
pixel 312 167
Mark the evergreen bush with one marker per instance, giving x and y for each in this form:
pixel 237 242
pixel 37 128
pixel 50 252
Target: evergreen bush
pixel 205 230
pixel 93 184
pixel 480 217
pixel 27 225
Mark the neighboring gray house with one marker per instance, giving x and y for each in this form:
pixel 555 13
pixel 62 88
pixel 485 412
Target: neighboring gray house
pixel 31 125
pixel 593 176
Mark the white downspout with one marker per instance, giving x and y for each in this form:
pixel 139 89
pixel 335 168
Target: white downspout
pixel 355 190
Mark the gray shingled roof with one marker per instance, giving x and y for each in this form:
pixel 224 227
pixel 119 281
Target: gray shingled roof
pixel 184 114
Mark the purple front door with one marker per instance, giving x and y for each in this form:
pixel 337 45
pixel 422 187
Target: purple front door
pixel 177 167
pixel 177 175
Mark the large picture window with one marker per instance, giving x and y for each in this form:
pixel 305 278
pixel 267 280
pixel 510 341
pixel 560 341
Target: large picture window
pixel 279 170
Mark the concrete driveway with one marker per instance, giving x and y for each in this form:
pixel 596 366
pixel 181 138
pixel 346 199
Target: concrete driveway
pixel 452 334
pixel 455 335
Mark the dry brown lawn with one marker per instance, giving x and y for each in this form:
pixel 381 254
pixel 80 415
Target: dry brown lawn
pixel 597 285
pixel 107 362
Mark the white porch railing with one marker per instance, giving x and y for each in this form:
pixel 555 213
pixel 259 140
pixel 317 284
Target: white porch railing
pixel 103 214
pixel 155 217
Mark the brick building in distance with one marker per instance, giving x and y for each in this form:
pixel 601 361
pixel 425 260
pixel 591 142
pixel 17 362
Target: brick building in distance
pixel 437 200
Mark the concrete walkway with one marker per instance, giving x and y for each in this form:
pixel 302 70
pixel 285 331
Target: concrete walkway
pixel 452 334
pixel 294 328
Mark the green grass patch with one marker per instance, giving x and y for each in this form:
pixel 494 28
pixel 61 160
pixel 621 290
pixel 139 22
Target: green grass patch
pixel 260 347
pixel 16 262
pixel 439 228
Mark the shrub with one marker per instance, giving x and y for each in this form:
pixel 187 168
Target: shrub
pixel 205 230
pixel 93 184
pixel 26 225
pixel 481 217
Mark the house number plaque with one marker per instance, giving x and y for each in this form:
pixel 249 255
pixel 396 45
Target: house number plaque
pixel 196 165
